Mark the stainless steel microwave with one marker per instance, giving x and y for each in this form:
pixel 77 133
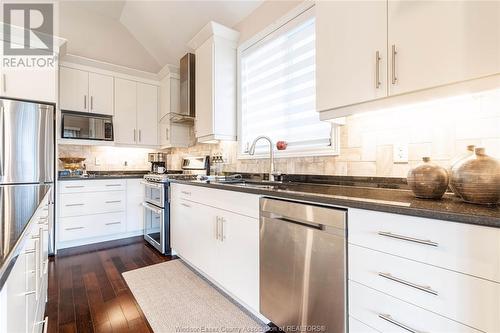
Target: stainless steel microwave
pixel 87 126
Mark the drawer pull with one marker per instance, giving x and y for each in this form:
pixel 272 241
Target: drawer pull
pixel 186 193
pixel 407 283
pixel 113 185
pixel 74 205
pixel 30 251
pixel 111 223
pixel 30 293
pixel 75 186
pixel 186 205
pixel 406 238
pixel 389 319
pixel 113 201
pixel 74 228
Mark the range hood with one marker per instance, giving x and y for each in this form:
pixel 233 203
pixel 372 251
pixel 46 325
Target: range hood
pixel 187 94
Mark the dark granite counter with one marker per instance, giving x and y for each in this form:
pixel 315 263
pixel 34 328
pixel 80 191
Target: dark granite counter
pixel 398 201
pixel 18 203
pixel 106 175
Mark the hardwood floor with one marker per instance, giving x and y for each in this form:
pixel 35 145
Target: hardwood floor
pixel 87 292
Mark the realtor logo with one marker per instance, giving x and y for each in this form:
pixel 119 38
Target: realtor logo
pixel 29 29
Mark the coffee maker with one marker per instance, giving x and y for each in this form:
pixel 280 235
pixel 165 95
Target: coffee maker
pixel 158 162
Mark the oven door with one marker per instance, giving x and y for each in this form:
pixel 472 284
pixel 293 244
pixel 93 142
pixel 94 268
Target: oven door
pixel 154 226
pixel 154 193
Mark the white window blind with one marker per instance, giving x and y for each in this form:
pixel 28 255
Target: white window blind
pixel 278 93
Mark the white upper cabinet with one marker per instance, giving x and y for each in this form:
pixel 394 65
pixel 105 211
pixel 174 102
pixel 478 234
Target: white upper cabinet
pixel 100 94
pixel 351 52
pixel 136 113
pixel 85 91
pixel 147 114
pixel 442 42
pixel 172 133
pixel 421 45
pixel 169 96
pixel 215 82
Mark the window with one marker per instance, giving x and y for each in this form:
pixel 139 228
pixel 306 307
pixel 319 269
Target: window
pixel 278 93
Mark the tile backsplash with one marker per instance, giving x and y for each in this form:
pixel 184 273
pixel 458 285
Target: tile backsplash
pixel 103 158
pixel 440 129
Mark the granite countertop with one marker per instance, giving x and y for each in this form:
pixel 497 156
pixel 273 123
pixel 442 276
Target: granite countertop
pixel 106 175
pixel 18 204
pixel 398 201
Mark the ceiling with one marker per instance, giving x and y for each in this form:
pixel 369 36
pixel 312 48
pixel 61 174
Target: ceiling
pixel 142 34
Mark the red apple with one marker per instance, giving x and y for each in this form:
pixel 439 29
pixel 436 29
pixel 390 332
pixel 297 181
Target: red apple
pixel 281 145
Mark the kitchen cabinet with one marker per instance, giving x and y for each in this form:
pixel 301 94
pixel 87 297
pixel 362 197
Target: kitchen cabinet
pixel 351 52
pixel 457 43
pixel 136 113
pixel 169 95
pixel 37 84
pixel 135 211
pixel 442 42
pixel 427 274
pixel 98 210
pixel 174 135
pixel 215 83
pixel 172 132
pixel 218 240
pixel 85 91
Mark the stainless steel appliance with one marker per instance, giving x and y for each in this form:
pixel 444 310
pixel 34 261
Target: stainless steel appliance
pixel 27 148
pixel 158 162
pixel 157 201
pixel 303 265
pixel 87 126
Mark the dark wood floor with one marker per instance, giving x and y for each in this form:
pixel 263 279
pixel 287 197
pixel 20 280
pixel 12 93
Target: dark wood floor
pixel 87 292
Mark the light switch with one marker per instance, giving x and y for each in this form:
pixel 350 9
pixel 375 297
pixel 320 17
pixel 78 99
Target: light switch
pixel 400 154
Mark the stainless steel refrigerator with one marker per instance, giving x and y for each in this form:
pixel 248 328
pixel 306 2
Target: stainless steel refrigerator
pixel 27 144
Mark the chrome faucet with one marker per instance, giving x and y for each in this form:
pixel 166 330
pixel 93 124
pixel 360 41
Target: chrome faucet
pixel 251 151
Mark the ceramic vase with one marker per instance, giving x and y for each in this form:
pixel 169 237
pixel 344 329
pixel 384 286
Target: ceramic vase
pixel 477 178
pixel 428 180
pixel 469 152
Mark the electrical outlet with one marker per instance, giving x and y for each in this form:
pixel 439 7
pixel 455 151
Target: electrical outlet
pixel 400 154
pixel 98 161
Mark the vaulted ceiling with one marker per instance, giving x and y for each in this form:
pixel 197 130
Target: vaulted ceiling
pixel 142 34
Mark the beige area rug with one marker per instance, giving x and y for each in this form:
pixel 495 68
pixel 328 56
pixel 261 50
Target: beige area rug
pixel 176 299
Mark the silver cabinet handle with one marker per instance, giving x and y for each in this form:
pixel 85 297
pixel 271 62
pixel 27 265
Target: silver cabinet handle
pixel 30 251
pixel 74 186
pixel 91 102
pixel 217 227
pixel 394 53
pixel 377 70
pixel 409 239
pixel 222 236
pixel 4 85
pixel 74 205
pixel 85 101
pixel 408 283
pixel 135 135
pixel 152 208
pixel 186 193
pixel 113 201
pixel 113 185
pixel 185 205
pixel 389 319
pixel 112 223
pixel 30 292
pixel 158 186
pixel 140 136
pixel 74 228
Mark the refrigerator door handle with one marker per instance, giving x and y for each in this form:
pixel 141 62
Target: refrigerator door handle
pixel 2 140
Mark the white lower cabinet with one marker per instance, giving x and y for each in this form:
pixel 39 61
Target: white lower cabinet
pixel 221 243
pixel 98 210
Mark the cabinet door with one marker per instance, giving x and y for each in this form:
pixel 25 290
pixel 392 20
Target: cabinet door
pixel 73 89
pixel 175 91
pixel 135 211
pixel 125 111
pixel 165 132
pixel 34 84
pixel 442 42
pixel 147 114
pixel 238 256
pixel 349 36
pixel 15 293
pixel 101 93
pixel 204 89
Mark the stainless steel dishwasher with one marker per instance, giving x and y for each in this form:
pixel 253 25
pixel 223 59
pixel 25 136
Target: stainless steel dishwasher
pixel 303 266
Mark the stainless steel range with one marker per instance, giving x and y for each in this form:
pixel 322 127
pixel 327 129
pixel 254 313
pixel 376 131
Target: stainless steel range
pixel 157 200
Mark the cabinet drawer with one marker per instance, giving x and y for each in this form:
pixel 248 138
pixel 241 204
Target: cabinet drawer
pixel 355 326
pixel 80 227
pixel 464 248
pixel 453 295
pixel 76 204
pixel 100 185
pixel 388 314
pixel 237 202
